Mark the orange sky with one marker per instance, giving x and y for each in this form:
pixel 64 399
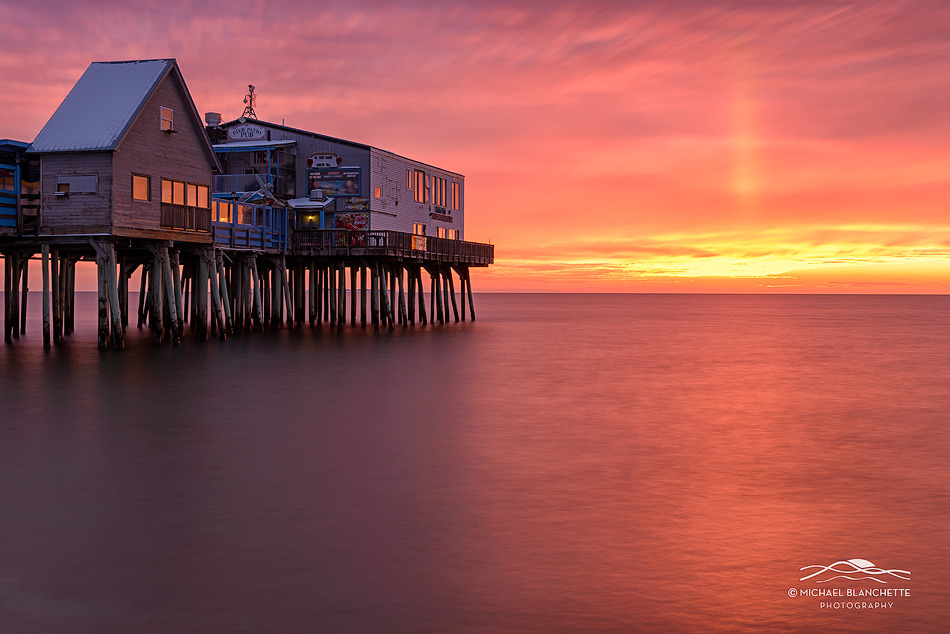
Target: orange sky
pixel 607 145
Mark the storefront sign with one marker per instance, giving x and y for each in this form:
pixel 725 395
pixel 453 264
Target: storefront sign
pixel 336 182
pixel 442 217
pixel 247 132
pixel 324 160
pixel 419 243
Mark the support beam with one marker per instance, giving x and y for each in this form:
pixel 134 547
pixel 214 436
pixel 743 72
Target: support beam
pixel 352 294
pixel 468 283
pixel 143 294
pixel 26 289
pixel 170 296
pixel 101 264
pixel 174 263
pixel 363 294
pixel 258 296
pixel 46 298
pixel 57 297
pixel 455 308
pixel 374 295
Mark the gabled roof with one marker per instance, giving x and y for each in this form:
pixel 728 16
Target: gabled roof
pixel 105 102
pixel 101 106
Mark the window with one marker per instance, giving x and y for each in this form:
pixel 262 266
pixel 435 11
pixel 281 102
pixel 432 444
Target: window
pixel 203 200
pixel 419 177
pixel 379 191
pixel 409 179
pixel 78 183
pixel 453 234
pixel 441 232
pixel 178 193
pixel 455 195
pixel 168 118
pixel 187 194
pixel 419 228
pixel 141 188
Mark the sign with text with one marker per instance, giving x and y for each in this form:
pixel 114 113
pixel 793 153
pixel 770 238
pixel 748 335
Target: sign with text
pixel 336 182
pixel 352 222
pixel 247 132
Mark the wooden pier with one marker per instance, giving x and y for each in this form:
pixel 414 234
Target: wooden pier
pixel 327 277
pixel 225 238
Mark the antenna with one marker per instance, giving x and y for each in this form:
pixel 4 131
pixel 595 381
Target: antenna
pixel 249 99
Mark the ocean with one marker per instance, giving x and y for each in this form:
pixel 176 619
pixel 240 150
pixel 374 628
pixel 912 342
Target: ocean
pixel 566 463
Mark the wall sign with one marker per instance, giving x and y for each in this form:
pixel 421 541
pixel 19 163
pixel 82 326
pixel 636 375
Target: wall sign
pixel 247 132
pixel 324 160
pixel 336 182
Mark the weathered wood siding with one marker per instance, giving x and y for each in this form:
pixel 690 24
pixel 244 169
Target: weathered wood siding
pixel 150 151
pixel 76 213
pixel 397 209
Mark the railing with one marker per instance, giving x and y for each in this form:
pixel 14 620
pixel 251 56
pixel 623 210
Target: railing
pixel 242 183
pixel 249 227
pixel 395 243
pixel 185 217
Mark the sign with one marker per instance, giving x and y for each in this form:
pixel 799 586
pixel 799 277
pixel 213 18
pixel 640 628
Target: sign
pixel 247 132
pixel 336 182
pixel 419 243
pixel 442 217
pixel 353 203
pixel 325 160
pixel 352 222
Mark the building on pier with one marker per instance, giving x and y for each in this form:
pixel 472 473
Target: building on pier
pixel 337 184
pixel 125 154
pixel 255 230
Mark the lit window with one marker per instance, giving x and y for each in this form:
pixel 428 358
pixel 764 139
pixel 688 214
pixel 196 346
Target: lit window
pixel 62 188
pixel 441 232
pixel 192 195
pixel 419 177
pixel 419 228
pixel 203 201
pixel 224 212
pixel 168 118
pixel 166 191
pixel 140 188
pixel 409 179
pixel 379 191
pixel 178 193
pixel 455 195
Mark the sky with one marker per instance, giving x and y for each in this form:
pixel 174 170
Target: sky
pixel 607 146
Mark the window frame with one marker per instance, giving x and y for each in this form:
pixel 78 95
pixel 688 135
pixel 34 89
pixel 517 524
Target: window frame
pixel 148 188
pixel 168 119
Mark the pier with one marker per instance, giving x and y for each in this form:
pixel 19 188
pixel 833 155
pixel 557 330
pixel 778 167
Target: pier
pixel 230 227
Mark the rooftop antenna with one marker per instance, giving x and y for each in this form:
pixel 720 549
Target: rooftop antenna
pixel 249 99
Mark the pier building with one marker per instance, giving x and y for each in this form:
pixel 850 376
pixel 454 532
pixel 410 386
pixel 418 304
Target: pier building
pixel 233 226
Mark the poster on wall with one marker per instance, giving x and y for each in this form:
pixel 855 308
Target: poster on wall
pixel 336 182
pixel 352 222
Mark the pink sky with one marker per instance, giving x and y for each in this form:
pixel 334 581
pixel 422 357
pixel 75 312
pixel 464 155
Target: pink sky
pixel 609 146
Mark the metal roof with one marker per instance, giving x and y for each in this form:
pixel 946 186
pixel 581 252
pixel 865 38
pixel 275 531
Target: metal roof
pixel 101 106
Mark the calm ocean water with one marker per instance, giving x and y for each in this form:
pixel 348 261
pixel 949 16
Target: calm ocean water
pixel 615 463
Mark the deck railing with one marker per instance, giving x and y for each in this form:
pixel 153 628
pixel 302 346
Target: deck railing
pixel 185 217
pixel 394 243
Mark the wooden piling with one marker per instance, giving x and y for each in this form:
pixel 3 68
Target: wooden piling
pixel 46 298
pixel 448 276
pixel 103 303
pixel 143 294
pixel 286 287
pixel 352 294
pixel 156 315
pixel 362 294
pixel 312 297
pixel 258 295
pixel 422 296
pixel 223 290
pixel 385 305
pixel 341 299
pixel 468 284
pixel 374 297
pixel 170 296
pixel 174 264
pixel 201 298
pixel 57 297
pixel 112 286
pixel 26 289
pixel 403 317
pixel 7 297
